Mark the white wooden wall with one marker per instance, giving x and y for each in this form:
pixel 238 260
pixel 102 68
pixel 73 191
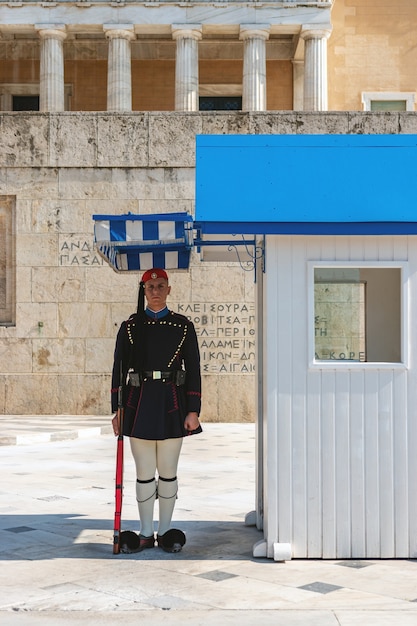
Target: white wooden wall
pixel 340 444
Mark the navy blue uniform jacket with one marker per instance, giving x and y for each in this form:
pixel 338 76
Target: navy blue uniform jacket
pixel 157 410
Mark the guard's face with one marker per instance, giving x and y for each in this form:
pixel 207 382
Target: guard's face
pixel 156 292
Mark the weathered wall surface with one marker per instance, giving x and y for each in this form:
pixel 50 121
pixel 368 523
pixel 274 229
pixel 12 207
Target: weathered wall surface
pixel 57 170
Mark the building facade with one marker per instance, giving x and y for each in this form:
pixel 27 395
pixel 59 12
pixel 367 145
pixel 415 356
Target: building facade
pixel 101 103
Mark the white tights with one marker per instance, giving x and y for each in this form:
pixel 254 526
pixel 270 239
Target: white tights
pixel 150 456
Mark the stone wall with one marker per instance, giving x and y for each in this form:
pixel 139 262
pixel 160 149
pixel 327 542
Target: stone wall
pixel 56 171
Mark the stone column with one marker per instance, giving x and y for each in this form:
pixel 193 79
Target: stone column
pixel 187 37
pixel 254 37
pixel 298 85
pixel 119 73
pixel 315 66
pixel 51 79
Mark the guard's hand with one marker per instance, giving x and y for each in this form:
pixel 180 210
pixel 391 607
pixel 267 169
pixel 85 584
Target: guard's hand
pixel 191 422
pixel 115 425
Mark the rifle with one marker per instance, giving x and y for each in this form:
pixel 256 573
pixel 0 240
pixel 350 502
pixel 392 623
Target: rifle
pixel 119 467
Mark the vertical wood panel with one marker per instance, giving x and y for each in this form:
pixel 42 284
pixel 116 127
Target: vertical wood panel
pixel 400 248
pixel 372 463
pixel 370 249
pixel 386 464
pixel 284 306
pixel 314 473
pixel 299 375
pixel 342 457
pixel 357 464
pixel 328 471
pixel 358 250
pixel 400 454
pixel 314 445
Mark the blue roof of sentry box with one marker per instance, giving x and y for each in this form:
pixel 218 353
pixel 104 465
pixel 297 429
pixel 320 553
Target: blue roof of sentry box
pixel 313 184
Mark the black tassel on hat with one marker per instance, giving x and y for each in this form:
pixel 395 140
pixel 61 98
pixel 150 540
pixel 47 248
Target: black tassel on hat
pixel 139 330
pixel 141 299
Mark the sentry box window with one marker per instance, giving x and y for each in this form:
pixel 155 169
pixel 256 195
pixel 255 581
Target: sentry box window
pixel 358 314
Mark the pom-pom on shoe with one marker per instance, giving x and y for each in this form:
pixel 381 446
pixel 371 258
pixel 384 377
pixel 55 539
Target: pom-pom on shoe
pixel 171 541
pixel 130 542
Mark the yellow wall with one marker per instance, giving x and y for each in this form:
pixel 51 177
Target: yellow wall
pixel 373 47
pixel 153 85
pixel 89 84
pixel 19 71
pixel 279 85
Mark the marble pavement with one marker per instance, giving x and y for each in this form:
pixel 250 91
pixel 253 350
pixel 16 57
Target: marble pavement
pixel 57 566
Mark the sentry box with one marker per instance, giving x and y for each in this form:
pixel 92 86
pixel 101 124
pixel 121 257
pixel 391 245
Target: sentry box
pixel 336 219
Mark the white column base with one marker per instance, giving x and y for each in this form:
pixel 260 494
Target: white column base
pixel 259 549
pixel 282 552
pixel 250 518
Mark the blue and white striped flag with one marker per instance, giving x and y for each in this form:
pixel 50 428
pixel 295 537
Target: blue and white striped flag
pixel 133 242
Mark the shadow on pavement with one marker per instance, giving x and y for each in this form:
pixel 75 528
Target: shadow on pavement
pixel 51 536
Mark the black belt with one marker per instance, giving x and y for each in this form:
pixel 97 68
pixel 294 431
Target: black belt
pixel 137 378
pixel 157 375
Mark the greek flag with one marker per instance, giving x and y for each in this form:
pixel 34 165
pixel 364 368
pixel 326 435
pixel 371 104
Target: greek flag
pixel 139 242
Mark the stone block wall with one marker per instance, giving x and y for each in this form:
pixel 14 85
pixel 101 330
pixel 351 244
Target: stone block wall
pixel 56 171
pixel 372 48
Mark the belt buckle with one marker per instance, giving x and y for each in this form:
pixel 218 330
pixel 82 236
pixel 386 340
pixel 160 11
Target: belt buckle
pixel 156 375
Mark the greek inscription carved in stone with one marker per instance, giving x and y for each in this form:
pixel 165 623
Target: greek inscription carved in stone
pixel 78 252
pixel 226 335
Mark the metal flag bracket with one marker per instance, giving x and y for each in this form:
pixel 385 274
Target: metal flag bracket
pixel 132 242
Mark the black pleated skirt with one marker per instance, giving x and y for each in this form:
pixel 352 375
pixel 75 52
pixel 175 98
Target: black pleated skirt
pixel 155 411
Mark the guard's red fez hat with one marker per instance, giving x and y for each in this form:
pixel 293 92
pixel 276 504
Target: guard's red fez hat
pixel 155 272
